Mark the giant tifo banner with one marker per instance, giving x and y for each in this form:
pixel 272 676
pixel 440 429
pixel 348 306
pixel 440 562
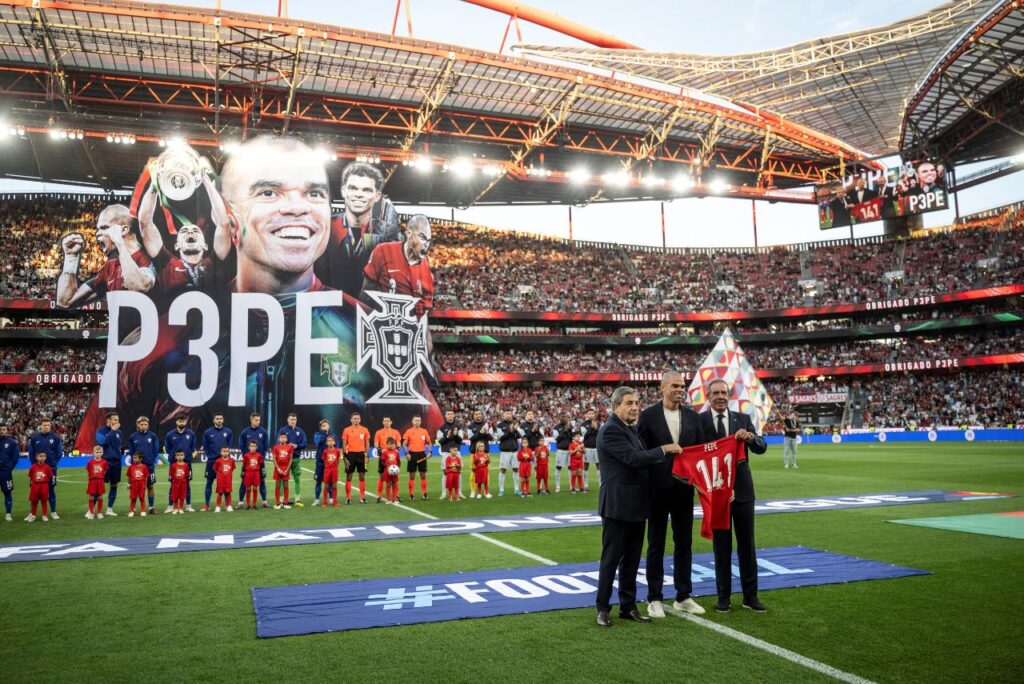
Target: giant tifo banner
pixel 243 293
pixel 915 187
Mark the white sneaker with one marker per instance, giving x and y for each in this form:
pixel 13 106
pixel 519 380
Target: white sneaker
pixel 656 609
pixel 99 516
pixel 45 519
pixel 230 509
pixel 55 516
pixel 30 518
pixel 688 606
pixel 8 517
pixel 487 496
pixel 143 514
pixel 131 514
pixel 786 467
pixel 277 507
pixel 558 488
pixel 217 509
pixel 472 495
pixel 169 509
pixel 286 506
pixel 89 516
pixel 190 509
pixel 111 513
pixel 795 466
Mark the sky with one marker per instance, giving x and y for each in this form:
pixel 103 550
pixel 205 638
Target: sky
pixel 728 26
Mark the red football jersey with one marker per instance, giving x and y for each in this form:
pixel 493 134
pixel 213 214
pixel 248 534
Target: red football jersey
pixel 331 458
pixel 176 275
pixel 224 466
pixel 525 455
pixel 179 471
pixel 391 457
pixel 110 278
pixel 711 468
pixel 138 473
pixel 389 269
pixel 252 460
pixel 576 455
pixel 40 474
pixel 452 464
pixel 97 469
pixel 541 453
pixel 283 454
pixel 481 461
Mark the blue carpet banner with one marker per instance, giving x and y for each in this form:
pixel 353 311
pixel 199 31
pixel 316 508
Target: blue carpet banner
pixel 141 545
pixel 341 606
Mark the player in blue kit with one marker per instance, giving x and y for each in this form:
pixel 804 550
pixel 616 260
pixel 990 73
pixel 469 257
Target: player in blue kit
pixel 111 439
pixel 214 439
pixel 181 438
pixel 146 442
pixel 9 455
pixel 49 443
pixel 258 434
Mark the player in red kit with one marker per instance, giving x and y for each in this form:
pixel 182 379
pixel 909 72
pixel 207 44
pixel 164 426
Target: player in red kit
pixel 138 482
pixel 180 473
pixel 332 459
pixel 39 476
pixel 389 457
pixel 282 454
pixel 482 470
pixel 452 469
pixel 95 472
pixel 224 467
pixel 525 458
pixel 576 453
pixel 541 454
pixel 252 463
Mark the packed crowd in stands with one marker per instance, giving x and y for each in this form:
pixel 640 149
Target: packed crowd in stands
pixel 845 353
pixel 991 399
pixel 35 359
pixel 486 269
pixel 31 232
pixel 22 406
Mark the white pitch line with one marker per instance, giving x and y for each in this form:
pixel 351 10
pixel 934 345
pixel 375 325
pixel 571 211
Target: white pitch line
pixel 784 653
pixel 768 647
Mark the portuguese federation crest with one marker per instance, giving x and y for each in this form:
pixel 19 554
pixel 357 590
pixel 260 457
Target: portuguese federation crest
pixel 394 343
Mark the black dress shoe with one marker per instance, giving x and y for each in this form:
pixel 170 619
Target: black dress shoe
pixel 635 616
pixel 754 605
pixel 602 619
pixel 723 606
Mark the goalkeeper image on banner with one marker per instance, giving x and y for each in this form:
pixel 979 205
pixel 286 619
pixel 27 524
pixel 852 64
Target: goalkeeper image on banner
pixel 720 422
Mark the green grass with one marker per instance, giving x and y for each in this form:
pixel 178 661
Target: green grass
pixel 188 616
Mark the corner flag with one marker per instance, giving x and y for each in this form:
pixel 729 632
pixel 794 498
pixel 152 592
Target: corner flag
pixel 728 362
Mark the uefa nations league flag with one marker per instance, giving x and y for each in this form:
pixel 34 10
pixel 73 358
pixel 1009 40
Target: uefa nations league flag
pixel 728 362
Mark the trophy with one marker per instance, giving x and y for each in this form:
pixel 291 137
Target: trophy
pixel 178 172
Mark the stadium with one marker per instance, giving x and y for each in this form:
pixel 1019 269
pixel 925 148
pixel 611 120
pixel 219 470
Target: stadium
pixel 260 242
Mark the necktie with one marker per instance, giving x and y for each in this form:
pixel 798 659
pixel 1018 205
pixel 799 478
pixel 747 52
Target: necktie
pixel 721 426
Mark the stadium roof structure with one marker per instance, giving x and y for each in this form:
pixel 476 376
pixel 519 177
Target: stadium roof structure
pixel 83 73
pixel 854 87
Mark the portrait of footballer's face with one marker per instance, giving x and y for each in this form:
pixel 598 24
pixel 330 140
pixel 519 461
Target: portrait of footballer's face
pixel 107 222
pixel 190 240
pixel 926 174
pixel 360 194
pixel 280 197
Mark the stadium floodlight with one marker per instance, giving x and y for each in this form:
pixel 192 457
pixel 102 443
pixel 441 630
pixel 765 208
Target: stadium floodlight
pixel 653 181
pixel 110 137
pixel 462 167
pixel 682 183
pixel 579 175
pixel 229 146
pixel 326 155
pixel 492 170
pixel 616 177
pixel 717 186
pixel 176 141
pixel 423 164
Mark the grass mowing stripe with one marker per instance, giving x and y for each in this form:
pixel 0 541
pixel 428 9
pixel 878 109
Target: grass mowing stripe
pixel 489 540
pixel 784 653
pixel 779 651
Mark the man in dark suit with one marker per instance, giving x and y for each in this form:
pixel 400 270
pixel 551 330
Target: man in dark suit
pixel 623 503
pixel 860 192
pixel 669 422
pixel 720 422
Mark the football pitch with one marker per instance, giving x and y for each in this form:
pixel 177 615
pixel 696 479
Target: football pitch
pixel 189 616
